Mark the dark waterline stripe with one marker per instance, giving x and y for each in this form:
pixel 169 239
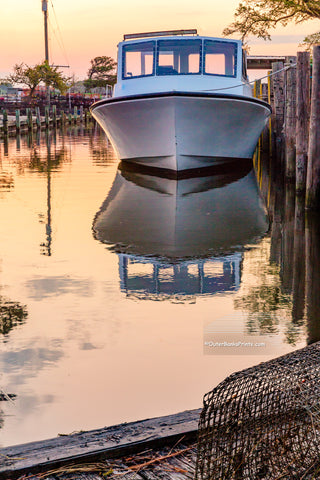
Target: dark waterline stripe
pixel 145 96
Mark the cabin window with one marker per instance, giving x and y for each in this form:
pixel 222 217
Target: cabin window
pixel 138 60
pixel 178 57
pixel 220 58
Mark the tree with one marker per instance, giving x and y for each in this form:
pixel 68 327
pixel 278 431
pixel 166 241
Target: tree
pixel 40 73
pixel 257 17
pixel 101 72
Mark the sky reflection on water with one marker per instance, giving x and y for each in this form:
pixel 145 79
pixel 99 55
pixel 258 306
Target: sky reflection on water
pixel 110 305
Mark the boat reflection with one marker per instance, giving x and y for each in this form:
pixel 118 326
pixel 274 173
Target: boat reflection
pixel 181 237
pixel 187 278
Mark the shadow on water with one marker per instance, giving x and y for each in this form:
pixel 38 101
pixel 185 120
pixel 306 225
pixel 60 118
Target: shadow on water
pixel 183 229
pixel 264 422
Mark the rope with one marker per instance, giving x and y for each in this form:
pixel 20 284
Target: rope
pixel 253 81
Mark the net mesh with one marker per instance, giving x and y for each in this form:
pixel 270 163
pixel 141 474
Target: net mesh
pixel 264 422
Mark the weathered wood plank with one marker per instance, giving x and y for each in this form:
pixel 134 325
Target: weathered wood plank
pixel 278 97
pixel 290 118
pixel 313 170
pixel 303 115
pixel 109 442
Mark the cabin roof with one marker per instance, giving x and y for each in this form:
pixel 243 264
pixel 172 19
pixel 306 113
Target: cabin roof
pixel 164 33
pixel 176 37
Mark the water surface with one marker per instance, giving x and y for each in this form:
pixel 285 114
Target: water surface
pixel 115 285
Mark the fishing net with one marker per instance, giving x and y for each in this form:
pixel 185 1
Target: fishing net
pixel 264 422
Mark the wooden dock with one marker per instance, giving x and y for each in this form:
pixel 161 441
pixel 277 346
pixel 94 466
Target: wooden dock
pixel 12 125
pixel 158 448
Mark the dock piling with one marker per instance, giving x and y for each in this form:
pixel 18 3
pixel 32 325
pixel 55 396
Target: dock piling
pixel 38 118
pixel 18 123
pixel 5 121
pixel 302 114
pixel 54 115
pixel 290 119
pixel 279 103
pixel 313 170
pixel 29 119
pixel 46 114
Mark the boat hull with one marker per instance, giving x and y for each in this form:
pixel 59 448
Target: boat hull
pixel 180 131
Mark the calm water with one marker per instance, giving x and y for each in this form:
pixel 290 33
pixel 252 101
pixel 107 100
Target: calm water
pixel 119 289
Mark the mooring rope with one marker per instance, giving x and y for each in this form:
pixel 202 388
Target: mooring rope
pixel 252 81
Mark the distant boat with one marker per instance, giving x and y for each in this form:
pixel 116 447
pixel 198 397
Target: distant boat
pixel 181 102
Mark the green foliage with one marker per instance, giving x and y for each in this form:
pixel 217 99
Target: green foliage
pixel 257 17
pixel 311 40
pixel 41 73
pixel 101 72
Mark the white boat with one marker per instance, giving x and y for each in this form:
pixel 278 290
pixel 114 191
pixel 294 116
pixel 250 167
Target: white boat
pixel 181 101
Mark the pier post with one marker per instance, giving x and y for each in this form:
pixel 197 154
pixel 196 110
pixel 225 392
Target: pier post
pixel 278 98
pixel 75 114
pixel 18 124
pixel 265 136
pixel 81 113
pixel 290 119
pixel 257 89
pixel 62 119
pixel 272 116
pixel 54 115
pixel 38 118
pixel 302 114
pixel 46 115
pixel 29 119
pixel 5 121
pixel 313 171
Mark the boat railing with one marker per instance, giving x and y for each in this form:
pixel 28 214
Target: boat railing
pixel 165 33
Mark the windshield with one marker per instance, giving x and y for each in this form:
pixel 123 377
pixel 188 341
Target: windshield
pixel 220 58
pixel 138 59
pixel 178 57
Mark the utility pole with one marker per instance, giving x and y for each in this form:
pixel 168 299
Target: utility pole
pixel 46 41
pixel 45 15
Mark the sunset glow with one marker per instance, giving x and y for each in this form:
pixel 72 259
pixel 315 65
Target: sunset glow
pixel 80 30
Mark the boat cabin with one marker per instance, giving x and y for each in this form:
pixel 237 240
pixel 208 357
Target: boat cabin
pixel 181 61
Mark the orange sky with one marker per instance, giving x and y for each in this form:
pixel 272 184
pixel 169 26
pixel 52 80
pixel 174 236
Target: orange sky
pixel 81 30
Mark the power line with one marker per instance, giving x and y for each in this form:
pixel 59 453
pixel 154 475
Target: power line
pixel 61 43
